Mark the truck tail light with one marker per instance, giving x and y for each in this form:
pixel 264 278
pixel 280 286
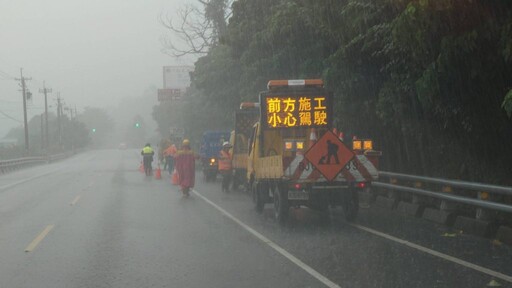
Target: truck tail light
pixel 361 185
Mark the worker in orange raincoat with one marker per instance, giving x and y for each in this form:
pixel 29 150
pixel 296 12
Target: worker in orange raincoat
pixel 169 154
pixel 185 160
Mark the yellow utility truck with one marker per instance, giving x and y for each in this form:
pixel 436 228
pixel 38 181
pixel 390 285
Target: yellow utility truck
pixel 295 159
pixel 245 118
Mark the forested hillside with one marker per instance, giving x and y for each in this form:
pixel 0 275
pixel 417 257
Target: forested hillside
pixel 427 80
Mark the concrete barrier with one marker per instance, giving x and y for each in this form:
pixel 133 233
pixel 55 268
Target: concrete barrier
pixel 438 216
pixel 474 226
pixel 504 234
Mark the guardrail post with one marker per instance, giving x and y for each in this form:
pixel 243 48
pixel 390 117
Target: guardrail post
pixel 416 199
pixel 445 205
pixel 482 213
pixel 392 193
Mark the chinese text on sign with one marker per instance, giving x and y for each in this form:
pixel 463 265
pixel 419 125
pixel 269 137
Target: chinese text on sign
pixel 296 112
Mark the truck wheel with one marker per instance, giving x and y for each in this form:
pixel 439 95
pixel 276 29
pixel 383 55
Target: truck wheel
pixel 257 198
pixel 351 204
pixel 281 205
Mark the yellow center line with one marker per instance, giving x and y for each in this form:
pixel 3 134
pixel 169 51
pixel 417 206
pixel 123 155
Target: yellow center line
pixel 75 200
pixel 39 238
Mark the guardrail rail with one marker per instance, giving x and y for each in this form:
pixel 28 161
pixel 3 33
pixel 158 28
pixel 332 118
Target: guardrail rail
pixel 475 208
pixel 15 164
pixel 455 191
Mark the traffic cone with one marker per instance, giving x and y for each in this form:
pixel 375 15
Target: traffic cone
pixel 158 174
pixel 141 168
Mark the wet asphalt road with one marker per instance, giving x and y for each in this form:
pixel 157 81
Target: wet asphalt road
pixel 94 221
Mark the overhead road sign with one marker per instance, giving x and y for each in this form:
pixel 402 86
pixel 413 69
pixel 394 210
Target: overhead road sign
pixel 177 131
pixel 169 94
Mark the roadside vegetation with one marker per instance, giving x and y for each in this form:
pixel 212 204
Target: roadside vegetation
pixel 427 80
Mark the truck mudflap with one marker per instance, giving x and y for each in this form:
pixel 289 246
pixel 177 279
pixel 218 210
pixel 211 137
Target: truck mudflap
pixel 359 169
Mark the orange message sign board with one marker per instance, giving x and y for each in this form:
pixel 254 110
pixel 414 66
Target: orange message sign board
pixel 296 111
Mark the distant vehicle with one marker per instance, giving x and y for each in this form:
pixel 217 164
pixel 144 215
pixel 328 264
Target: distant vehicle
pixel 211 145
pixel 122 146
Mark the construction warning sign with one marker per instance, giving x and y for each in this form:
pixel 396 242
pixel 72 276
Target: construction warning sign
pixel 304 111
pixel 329 155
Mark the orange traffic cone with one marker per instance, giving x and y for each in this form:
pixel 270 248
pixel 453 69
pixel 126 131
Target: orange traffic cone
pixel 175 179
pixel 158 174
pixel 141 168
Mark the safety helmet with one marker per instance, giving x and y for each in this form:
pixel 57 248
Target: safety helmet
pixel 186 142
pixel 226 144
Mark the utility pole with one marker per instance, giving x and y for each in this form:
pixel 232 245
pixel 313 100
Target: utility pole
pixel 46 91
pixel 24 91
pixel 59 112
pixel 42 137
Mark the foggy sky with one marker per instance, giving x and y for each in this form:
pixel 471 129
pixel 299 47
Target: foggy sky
pixel 93 52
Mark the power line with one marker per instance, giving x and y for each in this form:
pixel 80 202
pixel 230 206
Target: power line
pixel 10 117
pixel 6 76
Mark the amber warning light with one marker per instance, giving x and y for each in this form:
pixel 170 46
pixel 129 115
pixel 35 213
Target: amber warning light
pixel 357 145
pixel 296 82
pixel 368 145
pixel 362 144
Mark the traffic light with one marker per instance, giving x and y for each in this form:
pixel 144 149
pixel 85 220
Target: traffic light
pixel 93 130
pixel 137 125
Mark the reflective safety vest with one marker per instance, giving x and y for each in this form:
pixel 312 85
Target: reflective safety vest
pixel 224 161
pixel 170 151
pixel 147 150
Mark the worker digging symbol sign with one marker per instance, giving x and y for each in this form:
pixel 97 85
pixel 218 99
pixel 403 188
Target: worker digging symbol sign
pixel 329 155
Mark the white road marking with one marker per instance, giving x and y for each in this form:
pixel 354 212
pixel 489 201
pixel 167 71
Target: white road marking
pixel 38 239
pixel 273 245
pixel 73 203
pixel 28 179
pixel 437 254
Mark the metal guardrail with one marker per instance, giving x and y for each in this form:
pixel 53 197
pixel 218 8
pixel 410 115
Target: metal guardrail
pixel 14 164
pixel 479 187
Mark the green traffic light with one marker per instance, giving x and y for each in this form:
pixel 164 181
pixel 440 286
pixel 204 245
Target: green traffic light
pixel 93 130
pixel 137 125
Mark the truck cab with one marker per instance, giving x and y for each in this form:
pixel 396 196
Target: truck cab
pixel 211 144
